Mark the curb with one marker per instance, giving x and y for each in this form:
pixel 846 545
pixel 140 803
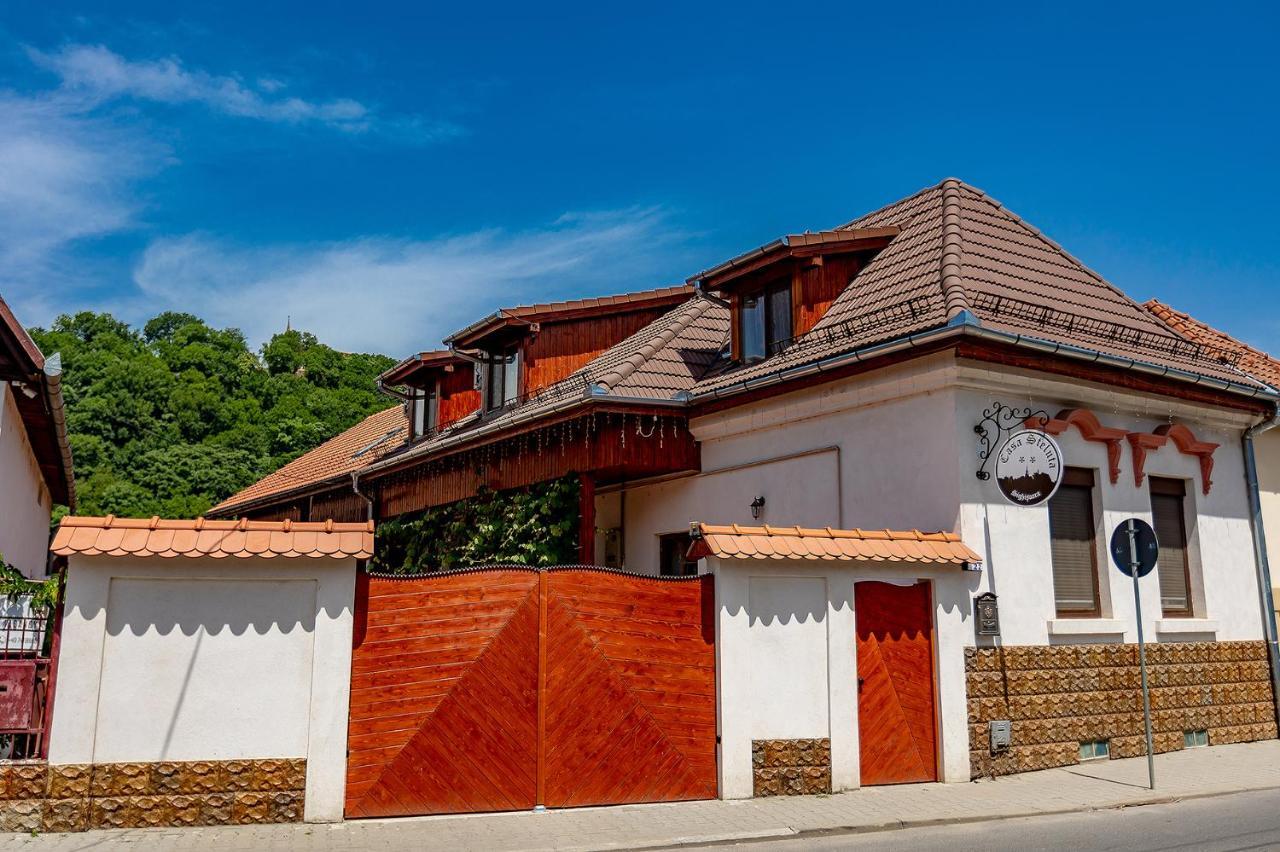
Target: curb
pixel 898 825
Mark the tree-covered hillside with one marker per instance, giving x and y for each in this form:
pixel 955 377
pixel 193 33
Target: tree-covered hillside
pixel 172 419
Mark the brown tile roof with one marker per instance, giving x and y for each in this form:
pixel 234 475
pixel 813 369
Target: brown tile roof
pixel 958 255
pixel 112 536
pixel 655 363
pixel 548 311
pixel 377 435
pixel 676 347
pixel 768 542
pixel 1251 361
pixel 961 254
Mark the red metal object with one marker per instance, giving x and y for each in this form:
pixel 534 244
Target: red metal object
pixel 17 694
pixel 25 684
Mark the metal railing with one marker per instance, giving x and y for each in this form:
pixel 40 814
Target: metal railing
pixel 27 643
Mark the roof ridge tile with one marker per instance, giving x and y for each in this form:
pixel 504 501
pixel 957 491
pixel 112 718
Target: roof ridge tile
pixel 951 264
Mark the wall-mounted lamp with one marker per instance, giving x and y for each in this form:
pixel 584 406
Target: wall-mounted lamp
pixel 757 506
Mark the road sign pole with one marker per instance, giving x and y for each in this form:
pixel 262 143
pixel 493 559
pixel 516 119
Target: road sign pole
pixel 1136 564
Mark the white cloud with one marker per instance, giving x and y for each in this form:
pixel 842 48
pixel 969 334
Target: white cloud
pixel 377 294
pixel 100 74
pixel 63 177
pixel 72 170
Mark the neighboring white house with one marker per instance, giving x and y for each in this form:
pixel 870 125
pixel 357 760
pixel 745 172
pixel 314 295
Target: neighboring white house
pixel 35 460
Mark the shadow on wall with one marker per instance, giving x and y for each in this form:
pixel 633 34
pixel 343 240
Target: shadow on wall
pixel 787 601
pixel 209 606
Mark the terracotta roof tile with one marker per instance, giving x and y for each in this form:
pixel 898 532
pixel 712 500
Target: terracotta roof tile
pixel 1251 361
pixel 960 250
pixel 769 542
pixel 657 362
pixel 332 459
pixel 112 536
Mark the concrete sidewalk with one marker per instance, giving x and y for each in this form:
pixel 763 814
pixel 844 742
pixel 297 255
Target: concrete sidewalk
pixel 1112 784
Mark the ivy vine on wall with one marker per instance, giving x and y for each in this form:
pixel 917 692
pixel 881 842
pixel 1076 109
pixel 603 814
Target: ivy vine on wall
pixel 528 526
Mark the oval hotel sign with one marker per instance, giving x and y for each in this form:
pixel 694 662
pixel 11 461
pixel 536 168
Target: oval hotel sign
pixel 1029 468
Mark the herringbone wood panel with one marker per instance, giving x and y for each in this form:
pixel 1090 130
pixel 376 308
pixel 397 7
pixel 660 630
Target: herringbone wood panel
pixel 445 692
pixel 444 696
pixel 896 724
pixel 630 690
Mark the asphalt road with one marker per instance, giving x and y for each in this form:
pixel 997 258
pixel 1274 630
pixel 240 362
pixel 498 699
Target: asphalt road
pixel 1243 821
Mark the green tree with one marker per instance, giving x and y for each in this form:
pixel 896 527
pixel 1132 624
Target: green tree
pixel 181 415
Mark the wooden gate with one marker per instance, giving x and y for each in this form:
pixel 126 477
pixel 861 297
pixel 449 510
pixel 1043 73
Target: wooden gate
pixel 896 718
pixel 499 689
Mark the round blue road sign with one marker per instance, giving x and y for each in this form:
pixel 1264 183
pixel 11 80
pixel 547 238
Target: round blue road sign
pixel 1147 547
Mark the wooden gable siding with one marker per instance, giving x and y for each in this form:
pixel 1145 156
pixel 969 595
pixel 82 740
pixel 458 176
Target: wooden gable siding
pixel 458 395
pixel 814 287
pixel 338 503
pixel 594 445
pixel 562 348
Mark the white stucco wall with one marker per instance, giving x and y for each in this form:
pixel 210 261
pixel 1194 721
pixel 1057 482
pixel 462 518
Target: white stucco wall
pixel 1014 541
pixel 178 659
pixel 874 452
pixel 24 500
pixel 1266 448
pixel 785 641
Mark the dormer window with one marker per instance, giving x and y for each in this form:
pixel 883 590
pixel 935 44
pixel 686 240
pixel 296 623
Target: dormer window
pixel 501 379
pixel 423 412
pixel 764 320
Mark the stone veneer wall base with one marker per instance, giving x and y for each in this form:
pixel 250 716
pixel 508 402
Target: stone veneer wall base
pixel 1058 696
pixel 790 767
pixel 76 797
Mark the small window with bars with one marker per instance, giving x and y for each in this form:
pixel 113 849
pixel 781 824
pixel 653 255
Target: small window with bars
pixel 1074 545
pixel 1168 511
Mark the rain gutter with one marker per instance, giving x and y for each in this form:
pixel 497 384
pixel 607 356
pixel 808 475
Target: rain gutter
pixel 966 325
pixel 52 374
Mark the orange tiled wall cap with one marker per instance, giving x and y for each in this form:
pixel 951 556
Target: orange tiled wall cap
pixel 769 542
pixel 112 536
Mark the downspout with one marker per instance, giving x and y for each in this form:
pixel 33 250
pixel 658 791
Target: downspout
pixel 1260 554
pixel 355 488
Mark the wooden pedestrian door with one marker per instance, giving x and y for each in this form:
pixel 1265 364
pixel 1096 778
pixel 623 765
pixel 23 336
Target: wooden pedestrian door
pixel 501 689
pixel 896 718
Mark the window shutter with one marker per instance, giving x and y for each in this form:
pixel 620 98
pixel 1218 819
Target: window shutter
pixel 1074 547
pixel 1171 531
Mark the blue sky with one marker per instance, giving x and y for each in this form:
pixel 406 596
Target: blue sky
pixel 384 173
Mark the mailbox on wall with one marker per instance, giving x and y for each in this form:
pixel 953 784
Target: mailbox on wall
pixel 986 614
